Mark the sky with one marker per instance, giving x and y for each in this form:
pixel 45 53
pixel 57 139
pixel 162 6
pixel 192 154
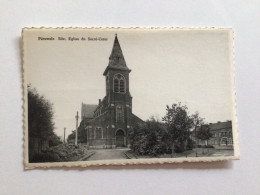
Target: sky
pixel 168 66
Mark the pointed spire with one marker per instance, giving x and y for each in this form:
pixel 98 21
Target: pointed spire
pixel 116 59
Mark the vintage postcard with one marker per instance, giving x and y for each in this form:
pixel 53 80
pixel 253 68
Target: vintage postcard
pixel 113 96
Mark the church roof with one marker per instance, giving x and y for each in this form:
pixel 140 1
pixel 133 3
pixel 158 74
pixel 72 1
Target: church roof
pixel 87 110
pixel 116 59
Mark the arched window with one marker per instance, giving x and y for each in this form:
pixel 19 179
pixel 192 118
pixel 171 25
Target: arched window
pixel 122 86
pixel 119 114
pixel 116 88
pixel 119 83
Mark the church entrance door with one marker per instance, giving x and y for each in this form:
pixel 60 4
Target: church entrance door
pixel 120 138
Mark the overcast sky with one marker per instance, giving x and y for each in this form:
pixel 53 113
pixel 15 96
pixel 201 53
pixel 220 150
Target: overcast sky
pixel 168 66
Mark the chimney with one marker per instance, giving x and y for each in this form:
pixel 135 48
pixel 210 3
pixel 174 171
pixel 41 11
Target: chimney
pixel 99 101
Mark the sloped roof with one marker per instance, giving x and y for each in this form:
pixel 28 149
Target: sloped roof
pixel 87 110
pixel 136 119
pixel 220 125
pixel 116 59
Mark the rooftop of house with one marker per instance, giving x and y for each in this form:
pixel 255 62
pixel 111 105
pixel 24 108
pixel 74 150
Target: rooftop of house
pixel 220 125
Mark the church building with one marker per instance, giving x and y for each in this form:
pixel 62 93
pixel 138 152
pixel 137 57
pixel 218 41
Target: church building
pixel 107 124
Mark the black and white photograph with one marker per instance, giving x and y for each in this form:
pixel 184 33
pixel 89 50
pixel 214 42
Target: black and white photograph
pixel 128 96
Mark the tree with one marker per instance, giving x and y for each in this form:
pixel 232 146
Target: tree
pixel 197 123
pixel 145 138
pixel 155 131
pixel 179 124
pixel 82 131
pixel 40 123
pixel 137 138
pixel 154 137
pixel 204 133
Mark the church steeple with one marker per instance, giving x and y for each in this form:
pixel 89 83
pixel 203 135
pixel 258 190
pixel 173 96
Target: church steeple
pixel 116 59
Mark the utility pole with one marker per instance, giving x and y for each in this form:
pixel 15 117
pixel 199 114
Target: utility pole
pixel 64 141
pixel 76 133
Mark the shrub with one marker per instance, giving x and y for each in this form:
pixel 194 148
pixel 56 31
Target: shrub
pixel 179 148
pixel 146 138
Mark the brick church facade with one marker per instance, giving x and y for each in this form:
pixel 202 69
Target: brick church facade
pixel 107 124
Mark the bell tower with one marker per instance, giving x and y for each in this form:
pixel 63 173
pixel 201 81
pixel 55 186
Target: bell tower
pixel 118 96
pixel 117 76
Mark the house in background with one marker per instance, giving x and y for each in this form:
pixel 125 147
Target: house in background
pixel 221 134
